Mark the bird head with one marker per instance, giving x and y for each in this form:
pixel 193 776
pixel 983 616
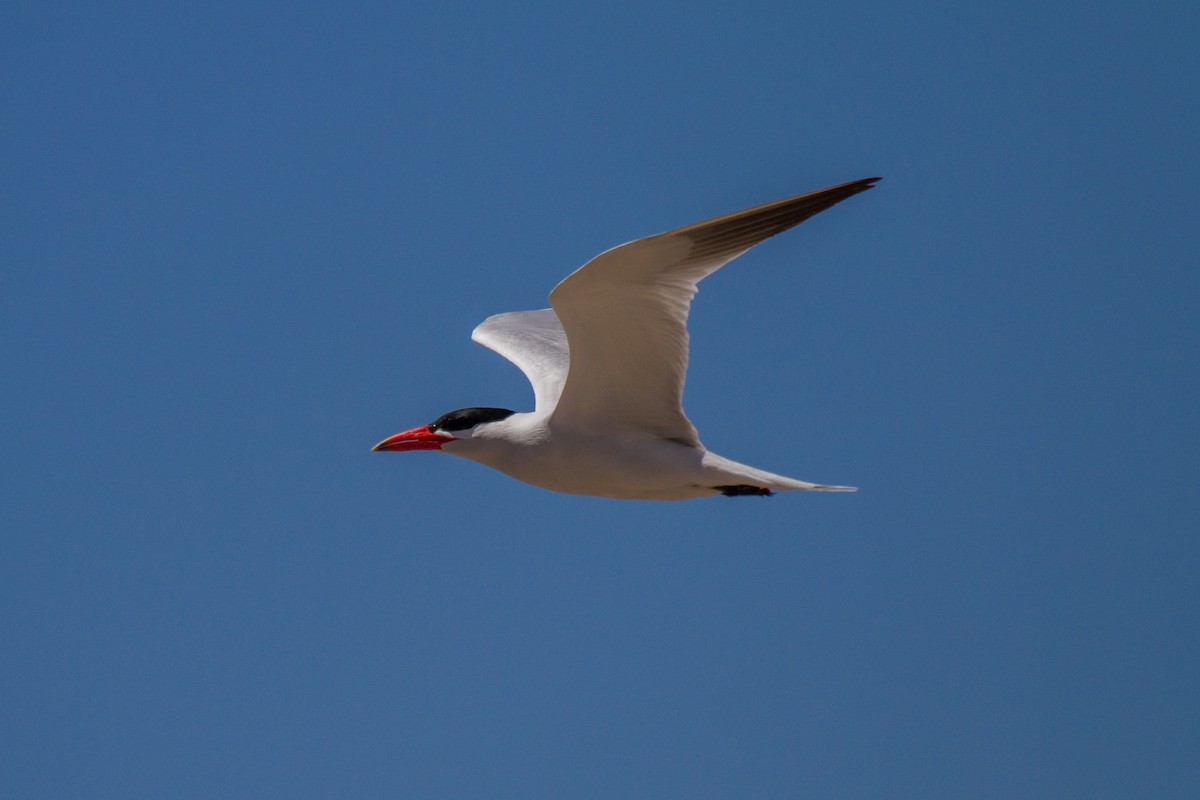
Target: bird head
pixel 459 424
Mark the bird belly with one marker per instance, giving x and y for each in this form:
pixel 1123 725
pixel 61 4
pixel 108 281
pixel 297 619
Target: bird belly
pixel 627 469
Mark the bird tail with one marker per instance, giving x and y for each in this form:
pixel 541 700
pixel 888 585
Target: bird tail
pixel 731 473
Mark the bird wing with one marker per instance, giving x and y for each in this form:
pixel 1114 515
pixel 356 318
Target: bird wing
pixel 536 343
pixel 625 316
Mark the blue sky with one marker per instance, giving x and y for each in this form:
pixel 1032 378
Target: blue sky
pixel 242 244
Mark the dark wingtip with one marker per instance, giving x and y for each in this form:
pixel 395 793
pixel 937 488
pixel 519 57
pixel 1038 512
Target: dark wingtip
pixel 850 188
pixel 744 490
pixel 823 199
pixel 854 187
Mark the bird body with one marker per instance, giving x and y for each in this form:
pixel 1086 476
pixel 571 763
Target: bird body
pixel 607 363
pixel 625 465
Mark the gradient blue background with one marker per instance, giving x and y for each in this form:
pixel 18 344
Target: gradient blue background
pixel 242 243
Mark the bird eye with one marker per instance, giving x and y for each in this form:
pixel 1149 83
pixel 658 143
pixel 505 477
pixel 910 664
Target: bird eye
pixel 431 427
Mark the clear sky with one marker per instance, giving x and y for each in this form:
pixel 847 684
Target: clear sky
pixel 244 242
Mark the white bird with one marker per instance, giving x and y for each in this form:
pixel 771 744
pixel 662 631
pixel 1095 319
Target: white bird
pixel 607 363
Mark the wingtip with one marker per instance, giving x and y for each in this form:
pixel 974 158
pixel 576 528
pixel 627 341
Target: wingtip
pixel 814 203
pixel 862 184
pixel 851 188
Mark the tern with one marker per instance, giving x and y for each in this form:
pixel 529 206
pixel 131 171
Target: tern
pixel 607 363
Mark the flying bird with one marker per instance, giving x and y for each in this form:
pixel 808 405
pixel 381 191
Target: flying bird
pixel 607 362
